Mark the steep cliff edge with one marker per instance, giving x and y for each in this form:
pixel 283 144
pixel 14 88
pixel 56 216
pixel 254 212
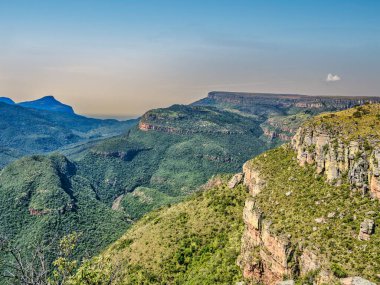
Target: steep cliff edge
pixel 280 114
pixel 345 147
pixel 314 204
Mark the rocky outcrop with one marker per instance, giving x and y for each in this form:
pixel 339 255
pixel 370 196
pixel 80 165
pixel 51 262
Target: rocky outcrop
pixel 268 257
pixel 235 180
pixel 185 130
pixel 367 228
pixel 265 256
pixel 274 134
pixel 143 126
pixel 355 162
pixel 35 212
pixel 252 179
pixel 116 203
pixel 123 155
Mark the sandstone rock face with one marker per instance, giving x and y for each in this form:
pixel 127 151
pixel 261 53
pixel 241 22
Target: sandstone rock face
pixel 337 159
pixel 277 134
pixel 264 256
pixel 367 228
pixel 355 281
pixel 235 180
pixel 252 179
pixel 309 262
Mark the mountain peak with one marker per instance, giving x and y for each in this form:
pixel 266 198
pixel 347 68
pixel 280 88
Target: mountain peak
pixel 48 103
pixel 6 100
pixel 48 97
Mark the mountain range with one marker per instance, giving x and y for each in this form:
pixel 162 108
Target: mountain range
pixel 303 213
pixel 107 175
pixel 48 103
pixel 46 125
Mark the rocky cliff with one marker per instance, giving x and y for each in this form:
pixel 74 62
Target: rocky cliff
pixel 280 114
pixel 343 150
pixel 314 206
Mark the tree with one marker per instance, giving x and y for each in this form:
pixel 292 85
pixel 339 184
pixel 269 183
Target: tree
pixel 24 268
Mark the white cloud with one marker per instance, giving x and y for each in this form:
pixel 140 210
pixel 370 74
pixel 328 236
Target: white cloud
pixel 332 78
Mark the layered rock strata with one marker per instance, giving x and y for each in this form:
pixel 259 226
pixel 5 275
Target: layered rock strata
pixel 355 161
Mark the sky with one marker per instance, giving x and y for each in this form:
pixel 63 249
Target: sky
pixel 124 57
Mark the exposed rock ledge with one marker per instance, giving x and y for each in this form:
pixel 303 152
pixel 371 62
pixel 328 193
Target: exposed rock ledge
pixel 356 162
pixel 267 257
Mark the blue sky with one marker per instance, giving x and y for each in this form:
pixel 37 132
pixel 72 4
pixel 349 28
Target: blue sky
pixel 123 57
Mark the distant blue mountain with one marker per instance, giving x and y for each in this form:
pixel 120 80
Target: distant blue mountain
pixel 7 100
pixel 48 103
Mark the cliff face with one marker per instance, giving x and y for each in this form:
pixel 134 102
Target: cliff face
pixel 293 223
pixel 287 100
pixel 266 256
pixel 350 158
pixel 181 119
pixel 280 114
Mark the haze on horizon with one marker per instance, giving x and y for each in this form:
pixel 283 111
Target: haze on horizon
pixel 124 57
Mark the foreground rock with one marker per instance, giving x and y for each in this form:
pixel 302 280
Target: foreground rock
pixel 355 281
pixel 342 150
pixel 367 228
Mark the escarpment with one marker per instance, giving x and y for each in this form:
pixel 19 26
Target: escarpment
pixel 265 256
pixel 268 256
pixel 313 209
pixel 345 152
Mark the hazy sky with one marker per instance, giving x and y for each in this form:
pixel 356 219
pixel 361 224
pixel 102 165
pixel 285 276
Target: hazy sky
pixel 123 57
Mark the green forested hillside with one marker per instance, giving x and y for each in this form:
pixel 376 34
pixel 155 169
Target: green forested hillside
pixel 188 145
pixel 193 242
pixel 26 131
pixel 42 199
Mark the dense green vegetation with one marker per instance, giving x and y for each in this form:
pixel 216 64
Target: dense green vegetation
pixel 294 197
pixel 193 242
pixel 25 131
pixel 163 162
pixel 42 199
pixel 172 164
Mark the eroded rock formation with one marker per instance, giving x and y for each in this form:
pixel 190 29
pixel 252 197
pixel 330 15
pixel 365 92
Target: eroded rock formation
pixel 268 257
pixel 355 162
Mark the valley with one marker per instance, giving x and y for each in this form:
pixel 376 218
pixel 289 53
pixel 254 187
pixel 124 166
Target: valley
pixel 180 158
pixel 299 225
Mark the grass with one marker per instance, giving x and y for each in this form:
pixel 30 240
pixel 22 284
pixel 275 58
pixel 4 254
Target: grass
pixel 194 242
pixel 359 122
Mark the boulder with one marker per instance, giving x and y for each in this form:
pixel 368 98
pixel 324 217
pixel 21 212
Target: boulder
pixel 367 228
